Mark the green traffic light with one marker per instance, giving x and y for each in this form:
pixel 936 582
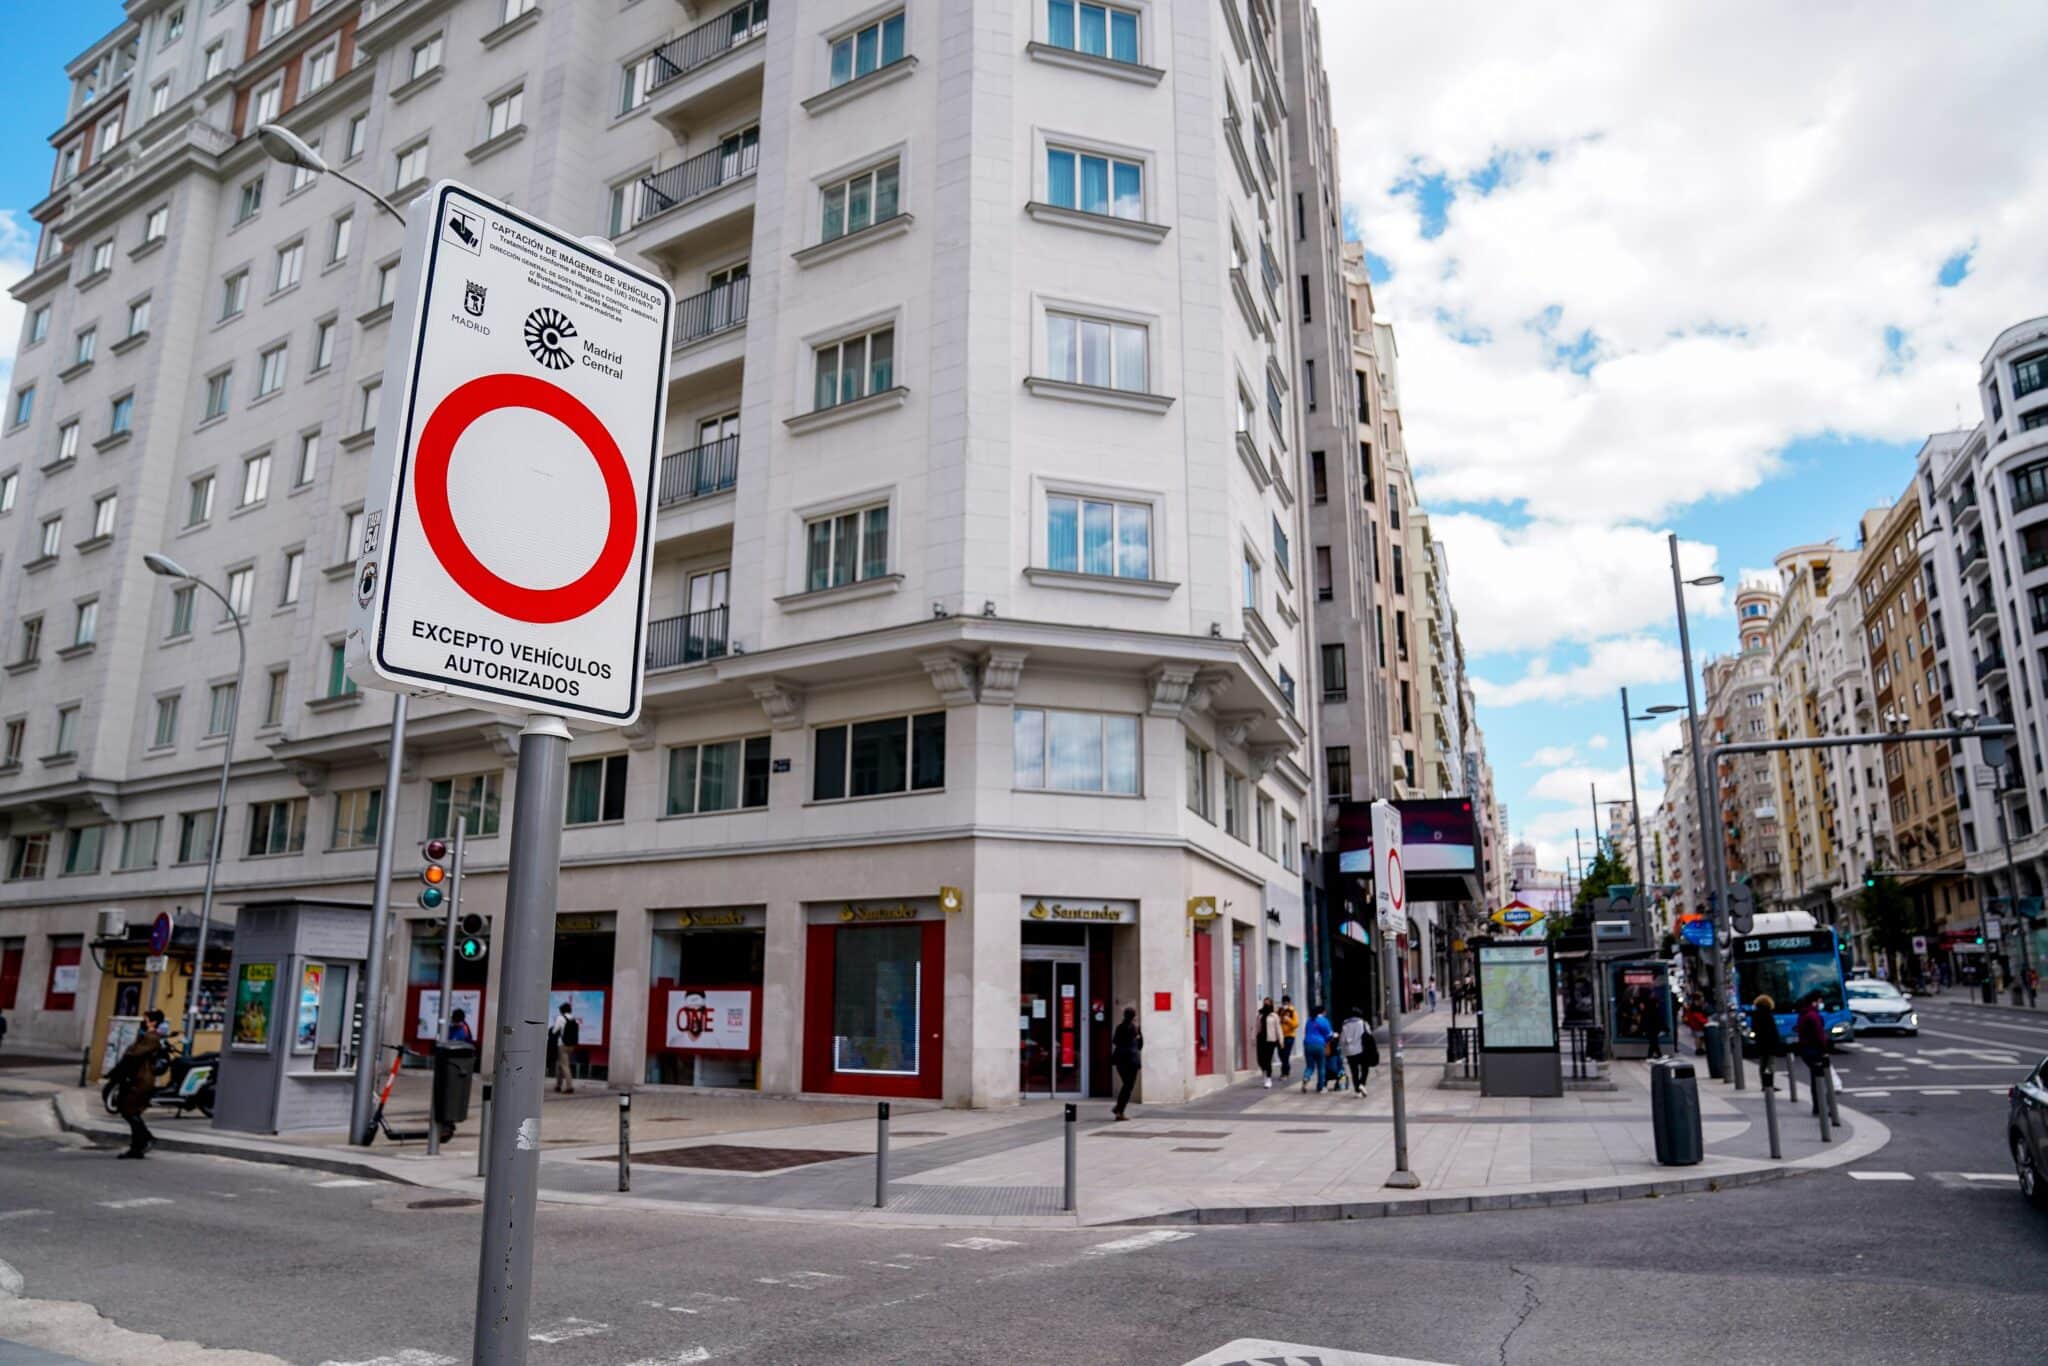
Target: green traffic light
pixel 430 897
pixel 469 949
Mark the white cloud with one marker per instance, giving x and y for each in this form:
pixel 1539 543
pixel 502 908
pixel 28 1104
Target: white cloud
pixel 1597 741
pixel 1609 664
pixel 1550 756
pixel 17 258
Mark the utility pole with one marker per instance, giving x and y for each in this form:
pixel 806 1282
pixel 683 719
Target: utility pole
pixel 1628 734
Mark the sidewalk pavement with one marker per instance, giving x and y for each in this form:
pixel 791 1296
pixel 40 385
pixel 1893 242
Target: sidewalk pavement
pixel 1241 1154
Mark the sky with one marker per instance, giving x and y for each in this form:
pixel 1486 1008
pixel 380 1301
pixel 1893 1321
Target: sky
pixel 1715 269
pixel 1712 269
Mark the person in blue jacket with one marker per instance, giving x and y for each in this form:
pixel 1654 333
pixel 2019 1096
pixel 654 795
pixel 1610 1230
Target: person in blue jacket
pixel 1315 1045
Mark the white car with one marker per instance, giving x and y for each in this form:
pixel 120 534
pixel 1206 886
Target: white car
pixel 1875 1004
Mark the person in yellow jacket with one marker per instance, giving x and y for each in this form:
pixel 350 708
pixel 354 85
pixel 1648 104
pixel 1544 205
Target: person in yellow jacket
pixel 1290 1021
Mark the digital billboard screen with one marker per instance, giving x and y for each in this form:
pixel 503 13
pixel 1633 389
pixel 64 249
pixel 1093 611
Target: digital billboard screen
pixel 1437 836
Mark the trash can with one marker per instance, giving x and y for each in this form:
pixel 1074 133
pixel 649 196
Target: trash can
pixel 1990 991
pixel 1717 1063
pixel 1596 1043
pixel 1675 1114
pixel 454 1065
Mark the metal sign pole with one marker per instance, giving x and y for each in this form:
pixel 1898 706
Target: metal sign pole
pixel 447 1008
pixel 505 1267
pixel 1400 1178
pixel 363 1099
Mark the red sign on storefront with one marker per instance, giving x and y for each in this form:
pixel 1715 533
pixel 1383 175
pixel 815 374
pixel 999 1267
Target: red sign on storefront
pixel 1162 1000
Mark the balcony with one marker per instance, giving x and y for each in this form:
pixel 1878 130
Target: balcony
pixel 1970 559
pixel 692 638
pixel 713 311
pixel 693 179
pixel 1963 505
pixel 1983 609
pixel 689 74
pixel 1993 663
pixel 700 471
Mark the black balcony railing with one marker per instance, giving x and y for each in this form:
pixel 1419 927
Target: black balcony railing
pixel 1990 664
pixel 688 639
pixel 1978 610
pixel 716 309
pixel 700 471
pixel 700 175
pixel 1969 555
pixel 708 41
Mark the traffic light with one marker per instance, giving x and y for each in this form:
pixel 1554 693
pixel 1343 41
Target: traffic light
pixel 1869 881
pixel 470 943
pixel 434 877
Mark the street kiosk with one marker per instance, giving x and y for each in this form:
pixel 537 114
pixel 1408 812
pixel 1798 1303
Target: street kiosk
pixel 287 1058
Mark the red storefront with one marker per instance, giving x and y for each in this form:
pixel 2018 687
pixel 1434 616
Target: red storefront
pixel 874 976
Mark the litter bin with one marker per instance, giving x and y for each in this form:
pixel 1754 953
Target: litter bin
pixel 1990 991
pixel 1675 1114
pixel 1717 1064
pixel 1596 1043
pixel 454 1065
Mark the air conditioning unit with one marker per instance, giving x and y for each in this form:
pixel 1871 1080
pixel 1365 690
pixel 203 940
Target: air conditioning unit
pixel 113 923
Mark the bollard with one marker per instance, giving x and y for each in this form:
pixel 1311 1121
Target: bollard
pixel 1791 1082
pixel 85 1065
pixel 483 1130
pixel 625 1140
pixel 1834 1105
pixel 881 1153
pixel 1769 1083
pixel 1073 1129
pixel 1818 1082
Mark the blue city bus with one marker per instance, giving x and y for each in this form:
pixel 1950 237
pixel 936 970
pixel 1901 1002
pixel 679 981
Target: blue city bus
pixel 1788 962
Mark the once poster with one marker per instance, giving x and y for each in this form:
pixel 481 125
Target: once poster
pixel 587 1009
pixel 1515 997
pixel 469 1001
pixel 255 1003
pixel 307 1033
pixel 710 1021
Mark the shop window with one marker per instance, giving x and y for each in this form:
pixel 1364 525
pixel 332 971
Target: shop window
pixel 726 776
pixel 597 790
pixel 878 758
pixel 877 974
pixel 12 951
pixel 1073 751
pixel 61 992
pixel 473 795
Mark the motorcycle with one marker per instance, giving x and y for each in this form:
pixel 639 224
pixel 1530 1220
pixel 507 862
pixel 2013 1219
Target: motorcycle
pixel 183 1085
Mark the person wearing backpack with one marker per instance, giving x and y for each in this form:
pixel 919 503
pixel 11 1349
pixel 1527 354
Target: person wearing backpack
pixel 1267 1032
pixel 1315 1047
pixel 562 1036
pixel 1361 1050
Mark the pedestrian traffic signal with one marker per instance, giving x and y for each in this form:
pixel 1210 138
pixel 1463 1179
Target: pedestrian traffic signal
pixel 1869 881
pixel 470 944
pixel 434 875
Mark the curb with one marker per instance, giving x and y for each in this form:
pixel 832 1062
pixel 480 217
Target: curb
pixel 277 1157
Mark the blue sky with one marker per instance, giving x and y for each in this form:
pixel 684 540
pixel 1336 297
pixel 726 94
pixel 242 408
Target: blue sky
pixel 40 39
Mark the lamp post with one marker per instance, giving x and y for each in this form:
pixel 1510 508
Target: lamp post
pixel 169 568
pixel 285 146
pixel 1710 820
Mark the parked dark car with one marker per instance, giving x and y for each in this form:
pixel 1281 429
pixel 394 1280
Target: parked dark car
pixel 2027 1135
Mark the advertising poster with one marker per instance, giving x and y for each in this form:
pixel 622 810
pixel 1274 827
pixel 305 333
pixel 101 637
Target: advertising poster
pixel 1515 997
pixel 470 1002
pixel 710 1021
pixel 307 1033
pixel 64 979
pixel 255 1001
pixel 587 1009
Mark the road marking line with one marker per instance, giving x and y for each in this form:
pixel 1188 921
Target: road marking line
pixel 683 1358
pixel 1889 1087
pixel 570 1329
pixel 1873 1095
pixel 982 1244
pixel 137 1203
pixel 404 1356
pixel 23 1213
pixel 1140 1241
pixel 893 1266
pixel 1880 1176
pixel 2012 1177
pixel 342 1183
pixel 1939 1091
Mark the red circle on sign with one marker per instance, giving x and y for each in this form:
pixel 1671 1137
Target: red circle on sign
pixel 1397 881
pixel 453 416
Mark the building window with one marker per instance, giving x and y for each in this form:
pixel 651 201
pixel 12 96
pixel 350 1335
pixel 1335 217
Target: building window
pixel 1262 826
pixel 216 60
pixel 1318 477
pixel 409 165
pixel 877 758
pixel 85 622
pixel 53 536
pixel 867 49
pixel 729 775
pixel 366 413
pixel 219 388
pixel 174 26
pixel 249 202
pixel 846 547
pixel 505 113
pixel 1097 30
pixel 29 858
pixel 1287 686
pixel 338 238
pixel 24 406
pixel 309 459
pixel 1095 183
pixel 356 813
pixel 1094 351
pixel 138 317
pixel 166 722
pixel 182 598
pixel 853 368
pixel 199 500
pixel 10 486
pixel 1074 751
pixel 1281 560
pixel 1326 588
pixel 278 20
pixel 1290 840
pixel 597 790
pixel 2029 374
pixel 426 56
pixel 67 444
pixel 104 509
pixel 1198 779
pixel 358 137
pixel 351 536
pixel 67 731
pixel 515 8
pixel 1336 682
pixel 323 346
pixel 139 841
pixel 110 133
pixel 339 684
pixel 1234 814
pixel 473 797
pixel 82 847
pixel 234 294
pixel 320 68
pixel 859 202
pixel 220 709
pixel 636 80
pixel 291 264
pixel 1098 536
pixel 274 695
pixel 86 346
pixel 38 325
pixel 294 572
pixel 270 371
pixel 277 827
pixel 31 640
pixel 158 225
pixel 1337 770
pixel 195 835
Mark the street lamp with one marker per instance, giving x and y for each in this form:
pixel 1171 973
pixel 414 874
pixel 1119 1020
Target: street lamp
pixel 169 568
pixel 283 145
pixel 1628 733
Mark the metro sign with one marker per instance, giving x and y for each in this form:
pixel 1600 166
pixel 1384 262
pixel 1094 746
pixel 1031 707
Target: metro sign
pixel 506 545
pixel 1517 917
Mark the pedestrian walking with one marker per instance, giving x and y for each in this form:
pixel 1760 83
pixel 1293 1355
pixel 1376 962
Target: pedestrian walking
pixel 1432 995
pixel 1126 1055
pixel 1315 1048
pixel 458 1027
pixel 1361 1050
pixel 1763 1023
pixel 1810 1042
pixel 1290 1022
pixel 136 1076
pixel 562 1036
pixel 1696 1021
pixel 1268 1036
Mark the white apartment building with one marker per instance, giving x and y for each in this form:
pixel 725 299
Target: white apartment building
pixel 1984 511
pixel 981 555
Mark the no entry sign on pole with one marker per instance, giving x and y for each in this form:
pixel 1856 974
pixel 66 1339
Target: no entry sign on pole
pixel 506 542
pixel 1389 879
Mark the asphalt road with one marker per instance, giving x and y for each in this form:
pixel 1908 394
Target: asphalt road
pixel 1922 1253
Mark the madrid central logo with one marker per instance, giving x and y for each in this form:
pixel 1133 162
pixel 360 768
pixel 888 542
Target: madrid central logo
pixel 548 332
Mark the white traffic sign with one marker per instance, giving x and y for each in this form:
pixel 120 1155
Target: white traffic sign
pixel 507 545
pixel 1919 943
pixel 1389 881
